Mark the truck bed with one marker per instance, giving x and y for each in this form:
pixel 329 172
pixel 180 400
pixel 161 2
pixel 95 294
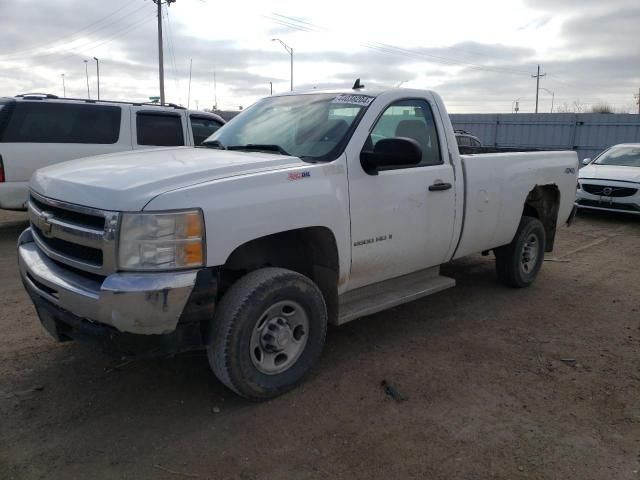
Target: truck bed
pixel 495 182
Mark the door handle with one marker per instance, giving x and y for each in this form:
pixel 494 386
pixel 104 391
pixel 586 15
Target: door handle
pixel 440 186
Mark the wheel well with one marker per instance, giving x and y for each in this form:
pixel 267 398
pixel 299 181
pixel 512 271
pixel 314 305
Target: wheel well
pixel 311 251
pixel 543 203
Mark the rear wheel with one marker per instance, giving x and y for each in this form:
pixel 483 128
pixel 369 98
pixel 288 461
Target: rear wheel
pixel 268 333
pixel 518 263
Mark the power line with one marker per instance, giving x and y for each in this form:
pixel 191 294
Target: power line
pixel 301 25
pixel 93 44
pixel 69 39
pixel 294 23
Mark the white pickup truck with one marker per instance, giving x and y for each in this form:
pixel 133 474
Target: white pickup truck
pixel 306 209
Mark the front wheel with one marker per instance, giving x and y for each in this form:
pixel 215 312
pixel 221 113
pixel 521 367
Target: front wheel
pixel 518 263
pixel 268 333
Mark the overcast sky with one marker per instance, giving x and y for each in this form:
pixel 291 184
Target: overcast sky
pixel 478 55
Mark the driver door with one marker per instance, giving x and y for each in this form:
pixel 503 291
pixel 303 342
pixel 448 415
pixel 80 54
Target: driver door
pixel 400 223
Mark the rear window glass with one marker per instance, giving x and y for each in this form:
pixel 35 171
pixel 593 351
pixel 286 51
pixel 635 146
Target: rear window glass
pixel 5 110
pixel 159 130
pixel 203 127
pixel 48 122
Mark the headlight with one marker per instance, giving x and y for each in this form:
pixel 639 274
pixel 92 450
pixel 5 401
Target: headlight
pixel 161 241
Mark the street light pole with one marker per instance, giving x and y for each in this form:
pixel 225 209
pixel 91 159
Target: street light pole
pixel 552 96
pixel 98 72
pixel 64 90
pixel 86 72
pixel 290 51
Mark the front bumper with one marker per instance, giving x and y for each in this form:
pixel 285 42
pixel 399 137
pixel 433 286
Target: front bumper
pixel 627 204
pixel 163 307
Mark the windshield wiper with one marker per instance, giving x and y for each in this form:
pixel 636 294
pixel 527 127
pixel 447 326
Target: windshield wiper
pixel 213 144
pixel 260 148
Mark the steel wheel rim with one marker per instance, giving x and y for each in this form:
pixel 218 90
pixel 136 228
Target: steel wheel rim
pixel 530 253
pixel 279 337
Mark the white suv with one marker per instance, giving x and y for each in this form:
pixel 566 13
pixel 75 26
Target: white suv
pixel 37 130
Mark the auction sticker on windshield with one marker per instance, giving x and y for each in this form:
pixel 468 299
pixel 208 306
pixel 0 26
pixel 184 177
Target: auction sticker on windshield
pixel 363 100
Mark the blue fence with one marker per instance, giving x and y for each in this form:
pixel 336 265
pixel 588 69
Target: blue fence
pixel 586 133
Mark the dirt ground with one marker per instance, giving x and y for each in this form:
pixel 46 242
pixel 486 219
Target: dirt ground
pixel 540 383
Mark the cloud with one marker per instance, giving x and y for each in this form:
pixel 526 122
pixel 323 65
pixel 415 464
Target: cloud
pixel 613 32
pixel 594 55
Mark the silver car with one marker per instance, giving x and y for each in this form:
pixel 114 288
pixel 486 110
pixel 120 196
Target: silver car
pixel 611 181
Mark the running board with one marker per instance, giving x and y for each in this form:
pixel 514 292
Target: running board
pixel 391 293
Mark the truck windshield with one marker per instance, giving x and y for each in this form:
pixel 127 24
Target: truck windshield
pixel 621 156
pixel 314 127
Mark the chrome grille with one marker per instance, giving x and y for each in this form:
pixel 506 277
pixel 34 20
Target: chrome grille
pixel 81 237
pixel 609 190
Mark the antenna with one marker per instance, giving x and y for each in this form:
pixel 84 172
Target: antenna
pixel 357 85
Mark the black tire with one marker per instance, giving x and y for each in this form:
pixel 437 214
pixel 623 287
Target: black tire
pixel 235 322
pixel 511 267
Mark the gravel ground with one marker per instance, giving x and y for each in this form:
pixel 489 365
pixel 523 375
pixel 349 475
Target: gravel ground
pixel 540 383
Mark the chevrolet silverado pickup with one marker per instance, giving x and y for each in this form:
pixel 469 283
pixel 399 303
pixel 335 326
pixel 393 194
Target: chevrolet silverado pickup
pixel 306 209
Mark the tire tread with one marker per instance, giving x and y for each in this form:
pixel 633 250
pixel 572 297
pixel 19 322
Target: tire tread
pixel 226 317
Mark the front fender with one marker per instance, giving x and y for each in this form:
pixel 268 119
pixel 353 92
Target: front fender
pixel 247 207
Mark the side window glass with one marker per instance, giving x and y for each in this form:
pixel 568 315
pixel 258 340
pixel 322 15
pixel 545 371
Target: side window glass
pixel 159 130
pixel 58 122
pixel 202 128
pixel 411 119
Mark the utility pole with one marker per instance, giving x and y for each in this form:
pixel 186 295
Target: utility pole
pixel 537 77
pixel 290 51
pixel 160 52
pixel 86 72
pixel 189 94
pixel 98 72
pixel 64 90
pixel 160 59
pixel 638 102
pixel 270 88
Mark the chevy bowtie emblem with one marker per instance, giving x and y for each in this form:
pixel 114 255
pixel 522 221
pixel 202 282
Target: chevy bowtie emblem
pixel 45 224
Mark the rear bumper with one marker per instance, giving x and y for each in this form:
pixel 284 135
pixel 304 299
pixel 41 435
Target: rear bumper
pixel 128 314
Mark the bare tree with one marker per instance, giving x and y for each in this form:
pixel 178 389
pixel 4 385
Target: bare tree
pixel 602 107
pixel 578 107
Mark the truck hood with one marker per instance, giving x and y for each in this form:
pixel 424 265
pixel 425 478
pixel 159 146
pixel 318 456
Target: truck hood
pixel 610 172
pixel 128 181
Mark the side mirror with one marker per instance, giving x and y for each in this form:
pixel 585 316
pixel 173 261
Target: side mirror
pixel 390 153
pixel 586 161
